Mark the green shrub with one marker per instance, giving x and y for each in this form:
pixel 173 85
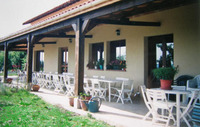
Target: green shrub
pixel 166 73
pixel 5 90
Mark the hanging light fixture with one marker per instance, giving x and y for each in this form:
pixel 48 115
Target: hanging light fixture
pixel 70 40
pixel 117 32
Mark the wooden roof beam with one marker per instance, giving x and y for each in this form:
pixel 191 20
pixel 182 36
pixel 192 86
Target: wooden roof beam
pixel 63 36
pixel 45 43
pixel 126 22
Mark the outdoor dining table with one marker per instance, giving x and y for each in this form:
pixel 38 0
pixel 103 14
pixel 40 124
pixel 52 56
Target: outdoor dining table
pixel 109 82
pixel 178 93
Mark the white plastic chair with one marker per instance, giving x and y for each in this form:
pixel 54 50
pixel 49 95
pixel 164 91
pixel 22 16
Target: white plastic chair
pixel 124 92
pixel 185 109
pixel 193 84
pixel 95 85
pixel 87 88
pixel 49 81
pixel 147 102
pixel 95 76
pixel 159 103
pixel 57 83
pixel 69 84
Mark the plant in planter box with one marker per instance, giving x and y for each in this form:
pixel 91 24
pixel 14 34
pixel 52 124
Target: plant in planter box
pixel 100 64
pixel 90 65
pixel 166 76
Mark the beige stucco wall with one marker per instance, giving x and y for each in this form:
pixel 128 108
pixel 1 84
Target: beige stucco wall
pixel 51 54
pixel 182 22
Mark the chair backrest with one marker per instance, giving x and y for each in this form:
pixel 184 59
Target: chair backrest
pixel 71 80
pixel 145 98
pixel 95 76
pixel 121 78
pixel 95 83
pixel 102 77
pixel 193 100
pixel 194 83
pixel 156 95
pixel 55 78
pixel 127 84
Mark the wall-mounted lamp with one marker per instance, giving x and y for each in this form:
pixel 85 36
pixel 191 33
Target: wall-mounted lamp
pixel 118 32
pixel 43 45
pixel 70 40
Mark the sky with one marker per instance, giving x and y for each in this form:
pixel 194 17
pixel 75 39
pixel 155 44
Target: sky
pixel 13 13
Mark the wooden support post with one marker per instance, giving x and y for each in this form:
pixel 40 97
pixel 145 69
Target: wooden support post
pixel 29 60
pixel 79 56
pixel 5 61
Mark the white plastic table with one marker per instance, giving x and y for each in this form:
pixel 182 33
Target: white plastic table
pixel 109 82
pixel 178 93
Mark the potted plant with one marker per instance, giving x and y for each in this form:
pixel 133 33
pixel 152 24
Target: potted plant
pixel 83 101
pixel 9 80
pixel 71 100
pixel 100 64
pixel 35 87
pixel 123 65
pixel 90 65
pixel 166 76
pixel 88 96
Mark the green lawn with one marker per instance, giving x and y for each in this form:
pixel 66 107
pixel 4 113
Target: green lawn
pixel 9 74
pixel 22 109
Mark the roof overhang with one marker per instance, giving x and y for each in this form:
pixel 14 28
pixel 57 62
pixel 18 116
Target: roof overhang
pixel 112 9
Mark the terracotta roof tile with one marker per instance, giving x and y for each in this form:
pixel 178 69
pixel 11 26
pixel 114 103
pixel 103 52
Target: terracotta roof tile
pixel 68 3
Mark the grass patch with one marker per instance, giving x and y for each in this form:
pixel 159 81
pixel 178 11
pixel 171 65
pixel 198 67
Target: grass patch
pixel 10 74
pixel 20 108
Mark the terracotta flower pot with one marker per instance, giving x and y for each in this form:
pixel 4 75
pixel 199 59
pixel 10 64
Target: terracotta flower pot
pixel 36 87
pixel 9 80
pixel 83 105
pixel 165 84
pixel 71 101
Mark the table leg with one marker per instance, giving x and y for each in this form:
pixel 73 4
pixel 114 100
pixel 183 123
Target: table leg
pixel 109 90
pixel 178 110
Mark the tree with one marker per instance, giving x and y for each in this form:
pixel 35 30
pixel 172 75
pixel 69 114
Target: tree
pixel 14 58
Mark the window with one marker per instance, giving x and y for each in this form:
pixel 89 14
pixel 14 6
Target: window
pixel 117 59
pixel 64 62
pixel 96 60
pixel 169 57
pixel 39 60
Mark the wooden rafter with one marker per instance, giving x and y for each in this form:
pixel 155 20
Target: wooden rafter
pixel 45 43
pixel 63 36
pixel 126 22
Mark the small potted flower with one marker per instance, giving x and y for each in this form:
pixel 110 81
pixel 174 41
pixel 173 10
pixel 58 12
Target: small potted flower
pixel 83 101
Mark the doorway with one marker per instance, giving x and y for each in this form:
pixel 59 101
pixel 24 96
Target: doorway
pixel 64 59
pixel 160 54
pixel 39 61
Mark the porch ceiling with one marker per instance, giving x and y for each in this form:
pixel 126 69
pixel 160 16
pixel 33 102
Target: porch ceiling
pixel 117 13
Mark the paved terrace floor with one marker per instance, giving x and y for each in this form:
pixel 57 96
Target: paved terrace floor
pixel 115 114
